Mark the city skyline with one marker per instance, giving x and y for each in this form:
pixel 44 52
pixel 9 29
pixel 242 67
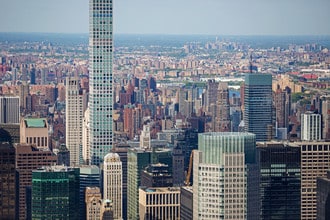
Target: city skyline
pixel 239 17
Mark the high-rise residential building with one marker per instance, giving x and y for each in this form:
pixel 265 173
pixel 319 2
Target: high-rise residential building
pixel 29 158
pixel 8 209
pixel 159 203
pixel 89 176
pixel 137 160
pixel 34 131
pixel 311 127
pixel 323 197
pixel 55 193
pixel 75 106
pixel 9 108
pixel 222 116
pixel 112 183
pixel 219 180
pixel 101 78
pixel 279 183
pixel 93 201
pixel 326 117
pixel 258 106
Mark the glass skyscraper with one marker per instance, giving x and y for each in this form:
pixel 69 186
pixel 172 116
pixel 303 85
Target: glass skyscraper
pixel 55 193
pixel 101 78
pixel 258 115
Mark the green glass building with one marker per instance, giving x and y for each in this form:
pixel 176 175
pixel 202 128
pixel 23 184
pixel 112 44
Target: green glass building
pixel 55 193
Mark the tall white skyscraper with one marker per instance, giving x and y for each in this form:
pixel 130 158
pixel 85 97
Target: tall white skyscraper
pixel 75 106
pixel 311 126
pixel 9 110
pixel 220 183
pixel 112 183
pixel 101 78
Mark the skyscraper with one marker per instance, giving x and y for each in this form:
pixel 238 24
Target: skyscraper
pixel 8 181
pixel 222 116
pixel 93 201
pixel 112 187
pixel 75 106
pixel 89 177
pixel 315 162
pixel 311 126
pixel 258 115
pixel 55 193
pixel 29 158
pixel 137 161
pixel 9 108
pixel 220 183
pixel 279 180
pixel 101 78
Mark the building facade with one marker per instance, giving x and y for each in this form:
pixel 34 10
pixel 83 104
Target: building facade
pixel 279 183
pixel 137 160
pixel 93 201
pixel 222 116
pixel 34 131
pixel 311 127
pixel 10 109
pixel 315 162
pixel 219 181
pixel 75 106
pixel 159 203
pixel 101 78
pixel 55 193
pixel 29 158
pixel 258 106
pixel 8 183
pixel 89 176
pixel 112 186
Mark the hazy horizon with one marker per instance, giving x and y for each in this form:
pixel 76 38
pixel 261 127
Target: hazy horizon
pixel 174 17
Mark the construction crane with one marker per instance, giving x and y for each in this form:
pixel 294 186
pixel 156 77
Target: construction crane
pixel 187 181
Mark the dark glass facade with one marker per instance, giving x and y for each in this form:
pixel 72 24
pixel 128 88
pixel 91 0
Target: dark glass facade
pixel 258 106
pixel 7 181
pixel 55 193
pixel 280 172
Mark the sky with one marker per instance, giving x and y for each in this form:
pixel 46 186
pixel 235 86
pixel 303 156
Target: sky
pixel 211 17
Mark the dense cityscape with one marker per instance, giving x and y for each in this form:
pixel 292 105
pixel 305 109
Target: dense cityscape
pixel 133 126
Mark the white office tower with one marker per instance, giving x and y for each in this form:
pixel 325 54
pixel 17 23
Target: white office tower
pixel 85 139
pixel 101 78
pixel 311 127
pixel 75 106
pixel 219 180
pixel 112 180
pixel 9 109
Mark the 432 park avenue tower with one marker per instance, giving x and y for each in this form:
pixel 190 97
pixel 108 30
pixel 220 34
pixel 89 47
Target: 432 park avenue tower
pixel 101 78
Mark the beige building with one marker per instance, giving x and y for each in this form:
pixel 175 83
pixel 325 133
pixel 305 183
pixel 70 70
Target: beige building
pixel 93 201
pixel 112 182
pixel 34 131
pixel 159 203
pixel 315 162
